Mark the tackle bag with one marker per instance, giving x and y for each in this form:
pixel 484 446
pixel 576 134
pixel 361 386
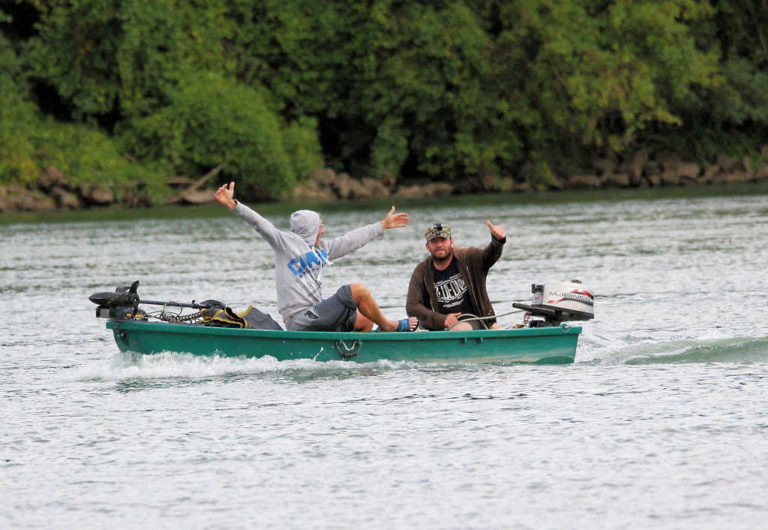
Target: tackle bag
pixel 251 318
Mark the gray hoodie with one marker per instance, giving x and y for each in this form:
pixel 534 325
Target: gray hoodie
pixel 298 263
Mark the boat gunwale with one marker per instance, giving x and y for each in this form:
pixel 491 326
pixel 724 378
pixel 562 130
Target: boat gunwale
pixel 168 327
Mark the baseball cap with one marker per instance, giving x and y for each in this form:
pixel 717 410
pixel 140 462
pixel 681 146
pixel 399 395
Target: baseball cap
pixel 437 230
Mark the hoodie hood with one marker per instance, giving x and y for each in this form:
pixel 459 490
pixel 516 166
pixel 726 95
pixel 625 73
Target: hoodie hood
pixel 306 225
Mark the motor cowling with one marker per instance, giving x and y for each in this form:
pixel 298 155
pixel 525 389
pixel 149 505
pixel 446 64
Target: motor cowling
pixel 559 302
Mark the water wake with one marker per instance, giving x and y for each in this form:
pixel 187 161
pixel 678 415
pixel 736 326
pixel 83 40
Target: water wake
pixel 732 350
pixel 596 350
pixel 128 365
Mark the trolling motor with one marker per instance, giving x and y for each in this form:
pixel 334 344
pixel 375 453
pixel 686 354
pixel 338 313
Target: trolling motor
pixel 121 304
pixel 558 302
pixel 124 303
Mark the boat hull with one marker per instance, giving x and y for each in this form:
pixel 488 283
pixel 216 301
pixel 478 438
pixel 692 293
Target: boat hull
pixel 551 345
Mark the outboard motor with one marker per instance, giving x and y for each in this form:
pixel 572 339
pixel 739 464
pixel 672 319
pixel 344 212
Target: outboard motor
pixel 558 302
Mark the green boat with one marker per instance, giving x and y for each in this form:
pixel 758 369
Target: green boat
pixel 544 345
pixel 549 340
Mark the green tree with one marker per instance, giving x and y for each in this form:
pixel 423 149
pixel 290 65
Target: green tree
pixel 396 87
pixel 161 76
pixel 122 56
pixel 595 74
pixel 731 117
pixel 448 89
pixel 211 120
pixel 17 114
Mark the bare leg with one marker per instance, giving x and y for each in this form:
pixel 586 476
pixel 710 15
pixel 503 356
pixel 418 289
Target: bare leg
pixel 462 326
pixel 367 306
pixel 363 323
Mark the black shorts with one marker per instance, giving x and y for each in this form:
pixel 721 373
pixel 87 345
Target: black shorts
pixel 337 313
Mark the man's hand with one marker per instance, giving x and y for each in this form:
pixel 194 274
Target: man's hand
pixel 497 232
pixel 394 220
pixel 451 320
pixel 226 195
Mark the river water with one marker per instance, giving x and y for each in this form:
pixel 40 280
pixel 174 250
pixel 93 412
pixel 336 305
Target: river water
pixel 660 423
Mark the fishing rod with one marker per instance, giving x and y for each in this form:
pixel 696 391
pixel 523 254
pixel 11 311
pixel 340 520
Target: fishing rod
pixel 205 304
pixel 471 318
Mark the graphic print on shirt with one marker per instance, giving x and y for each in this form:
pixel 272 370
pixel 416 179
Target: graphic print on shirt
pixel 313 259
pixel 450 292
pixel 308 270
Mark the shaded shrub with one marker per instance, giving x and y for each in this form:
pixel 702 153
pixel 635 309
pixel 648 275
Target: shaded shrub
pixel 211 121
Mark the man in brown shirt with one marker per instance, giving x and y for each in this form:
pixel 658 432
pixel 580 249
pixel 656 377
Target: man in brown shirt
pixel 451 281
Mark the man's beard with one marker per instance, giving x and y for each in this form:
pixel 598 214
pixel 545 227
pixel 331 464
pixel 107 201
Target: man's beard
pixel 442 261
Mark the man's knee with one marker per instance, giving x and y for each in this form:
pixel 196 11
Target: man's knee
pixel 462 326
pixel 359 292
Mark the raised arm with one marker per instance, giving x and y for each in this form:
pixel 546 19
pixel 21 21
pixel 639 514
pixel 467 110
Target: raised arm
pixel 226 196
pixel 492 252
pixel 359 237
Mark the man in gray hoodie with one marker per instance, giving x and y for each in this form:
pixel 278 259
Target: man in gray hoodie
pixel 300 257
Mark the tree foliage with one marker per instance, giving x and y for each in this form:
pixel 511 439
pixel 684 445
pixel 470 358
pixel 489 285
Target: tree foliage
pixel 211 121
pixel 439 89
pixel 17 114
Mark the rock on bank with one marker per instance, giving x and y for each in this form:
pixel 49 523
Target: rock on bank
pixel 53 190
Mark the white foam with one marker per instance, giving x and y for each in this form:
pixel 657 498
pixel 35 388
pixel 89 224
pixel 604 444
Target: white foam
pixel 182 365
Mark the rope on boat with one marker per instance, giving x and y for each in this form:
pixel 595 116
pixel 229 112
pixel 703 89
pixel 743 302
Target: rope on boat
pixel 176 318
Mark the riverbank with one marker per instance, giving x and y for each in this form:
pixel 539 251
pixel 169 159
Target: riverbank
pixel 116 212
pixel 639 170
